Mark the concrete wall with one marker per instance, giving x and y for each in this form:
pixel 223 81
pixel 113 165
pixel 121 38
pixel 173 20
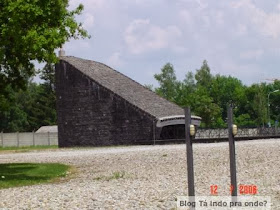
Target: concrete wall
pixel 27 139
pixel 91 115
pixel 36 139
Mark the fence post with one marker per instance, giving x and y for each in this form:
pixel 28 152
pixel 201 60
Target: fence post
pixel 2 138
pixel 189 140
pixel 49 141
pixel 17 139
pixel 232 155
pixel 33 138
pixel 154 132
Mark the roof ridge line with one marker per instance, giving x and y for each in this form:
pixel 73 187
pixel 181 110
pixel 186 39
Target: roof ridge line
pixel 128 78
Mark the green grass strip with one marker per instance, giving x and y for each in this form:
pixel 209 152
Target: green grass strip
pixel 22 174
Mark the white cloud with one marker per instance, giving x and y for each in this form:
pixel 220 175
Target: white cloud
pixel 240 3
pixel 251 54
pixel 219 16
pixel 248 73
pixel 186 16
pixel 267 24
pixel 202 4
pixel 142 36
pixel 115 60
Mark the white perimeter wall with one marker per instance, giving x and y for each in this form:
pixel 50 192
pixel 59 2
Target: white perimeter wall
pixel 27 139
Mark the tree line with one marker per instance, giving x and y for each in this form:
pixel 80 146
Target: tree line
pixel 209 95
pixel 31 107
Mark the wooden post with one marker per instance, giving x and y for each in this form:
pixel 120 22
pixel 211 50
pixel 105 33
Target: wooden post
pixel 232 153
pixel 189 153
pixel 154 132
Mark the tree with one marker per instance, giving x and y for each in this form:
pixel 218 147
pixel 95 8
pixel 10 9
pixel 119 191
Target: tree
pixel 186 91
pixel 228 90
pixel 150 87
pixel 207 109
pixel 47 98
pixel 274 101
pixel 29 109
pixel 168 83
pixel 32 30
pixel 203 76
pixel 39 101
pixel 260 105
pixel 13 118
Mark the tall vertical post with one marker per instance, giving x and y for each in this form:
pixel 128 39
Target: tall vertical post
pixel 232 153
pixel 189 152
pixel 154 132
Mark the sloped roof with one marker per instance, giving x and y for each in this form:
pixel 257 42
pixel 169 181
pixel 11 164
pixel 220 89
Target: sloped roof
pixel 46 129
pixel 126 88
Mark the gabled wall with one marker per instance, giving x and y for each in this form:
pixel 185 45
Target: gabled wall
pixel 90 115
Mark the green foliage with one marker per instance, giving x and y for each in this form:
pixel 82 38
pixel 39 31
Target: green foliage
pixel 205 107
pixel 260 105
pixel 29 109
pixel 244 120
pixel 274 101
pixel 150 87
pixel 11 114
pixel 168 83
pixel 186 91
pixel 227 90
pixel 209 95
pixel 32 30
pixel 22 174
pixel 203 75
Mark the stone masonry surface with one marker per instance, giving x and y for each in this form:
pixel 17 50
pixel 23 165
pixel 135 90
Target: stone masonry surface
pixel 91 114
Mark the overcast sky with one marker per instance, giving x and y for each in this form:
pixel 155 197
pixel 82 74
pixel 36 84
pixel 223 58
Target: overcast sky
pixel 137 37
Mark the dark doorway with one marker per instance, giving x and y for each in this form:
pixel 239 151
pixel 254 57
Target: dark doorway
pixel 173 132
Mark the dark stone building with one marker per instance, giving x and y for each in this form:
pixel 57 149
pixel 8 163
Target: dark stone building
pixel 97 105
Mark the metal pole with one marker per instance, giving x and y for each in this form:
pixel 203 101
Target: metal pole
pixel 154 132
pixel 268 105
pixel 189 152
pixel 232 153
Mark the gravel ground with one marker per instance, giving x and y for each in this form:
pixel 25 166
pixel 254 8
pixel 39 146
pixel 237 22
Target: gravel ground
pixel 150 176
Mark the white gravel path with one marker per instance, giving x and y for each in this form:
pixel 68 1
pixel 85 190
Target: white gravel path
pixel 153 175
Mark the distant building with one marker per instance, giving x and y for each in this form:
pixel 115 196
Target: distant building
pixel 97 105
pixel 47 129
